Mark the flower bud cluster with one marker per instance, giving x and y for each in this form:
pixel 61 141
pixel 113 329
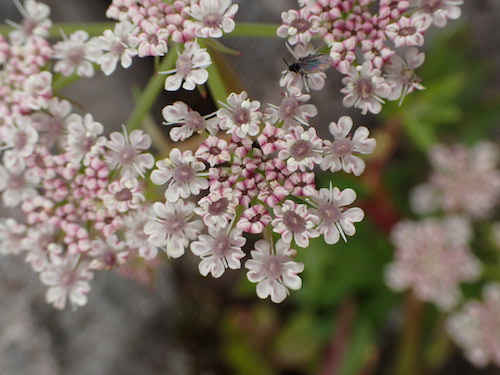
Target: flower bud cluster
pixel 363 44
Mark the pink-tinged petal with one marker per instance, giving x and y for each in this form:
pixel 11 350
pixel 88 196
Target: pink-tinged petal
pixel 175 112
pixel 362 143
pixel 346 197
pixel 353 164
pixel 198 76
pixel 173 82
pixel 331 234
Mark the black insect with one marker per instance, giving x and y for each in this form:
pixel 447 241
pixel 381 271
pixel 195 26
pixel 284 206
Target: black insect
pixel 313 63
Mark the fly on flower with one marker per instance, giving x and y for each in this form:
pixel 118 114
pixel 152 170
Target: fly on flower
pixel 313 63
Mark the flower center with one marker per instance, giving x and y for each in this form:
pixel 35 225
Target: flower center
pixel 123 195
pixel 20 140
pixel 218 207
pixel 342 147
pixel 127 155
pixel 272 267
pixel 76 55
pixel 365 89
pixel 195 121
pixel 183 173
pixel 329 212
pixel 16 182
pixel 430 6
pixel 109 259
pixel 212 20
pixel 301 25
pixel 288 107
pixel 175 224
pixel 221 246
pixel 184 65
pixel 117 48
pixel 294 222
pixel 240 116
pixel 407 31
pixel 301 150
pixel 214 150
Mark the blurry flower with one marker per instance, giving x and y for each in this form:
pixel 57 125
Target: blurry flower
pixel 476 327
pixel 75 55
pixel 463 180
pixel 67 278
pixel 433 258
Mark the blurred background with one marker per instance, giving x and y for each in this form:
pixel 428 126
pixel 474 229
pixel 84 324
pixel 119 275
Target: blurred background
pixel 344 320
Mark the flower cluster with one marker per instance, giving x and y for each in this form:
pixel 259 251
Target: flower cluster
pixel 476 327
pixel 257 179
pixel 362 44
pixel 148 28
pixel 433 257
pixel 79 190
pixel 464 180
pixel 144 28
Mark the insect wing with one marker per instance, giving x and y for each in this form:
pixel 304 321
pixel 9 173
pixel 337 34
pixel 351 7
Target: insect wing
pixel 315 63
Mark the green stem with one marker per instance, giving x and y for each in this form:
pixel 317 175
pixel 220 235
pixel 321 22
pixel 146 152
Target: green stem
pixel 148 96
pixel 93 28
pixel 97 28
pixel 264 30
pixel 408 352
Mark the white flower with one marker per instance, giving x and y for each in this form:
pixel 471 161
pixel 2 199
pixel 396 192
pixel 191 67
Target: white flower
pixel 17 185
pixel 123 195
pixel 67 278
pixel 192 121
pixel 135 236
pixel 274 271
pixel 35 21
pixel 335 220
pixel 83 139
pixel 240 116
pixel 218 207
pixel 291 110
pixel 401 73
pixel 189 68
pixel 302 149
pixel 12 234
pixel 126 152
pixel 75 54
pixel 108 254
pixel 219 250
pixel 181 173
pixel 338 154
pixel 172 229
pixel 365 88
pixel 116 47
pixel 293 220
pixel 214 16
